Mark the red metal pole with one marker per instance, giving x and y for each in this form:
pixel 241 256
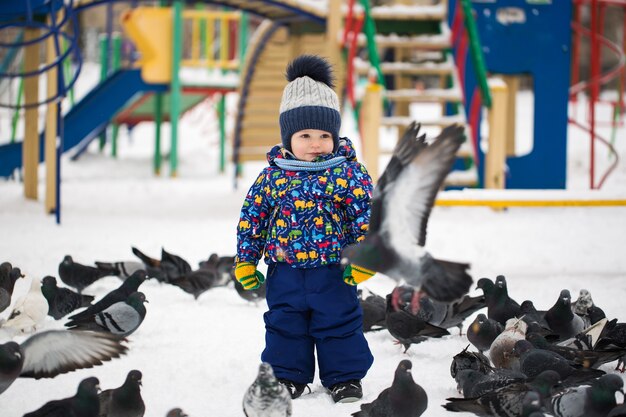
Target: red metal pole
pixel 576 52
pixel 595 75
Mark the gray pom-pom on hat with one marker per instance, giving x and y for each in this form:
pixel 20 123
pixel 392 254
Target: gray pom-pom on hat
pixel 309 101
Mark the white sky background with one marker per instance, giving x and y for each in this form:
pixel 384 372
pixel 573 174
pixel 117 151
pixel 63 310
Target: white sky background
pixel 202 355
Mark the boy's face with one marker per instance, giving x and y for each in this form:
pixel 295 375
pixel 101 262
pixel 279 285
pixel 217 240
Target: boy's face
pixel 309 144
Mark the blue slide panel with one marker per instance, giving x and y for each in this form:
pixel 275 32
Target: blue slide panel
pixel 88 117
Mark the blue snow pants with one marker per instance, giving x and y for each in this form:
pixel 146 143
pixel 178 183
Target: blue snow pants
pixel 314 308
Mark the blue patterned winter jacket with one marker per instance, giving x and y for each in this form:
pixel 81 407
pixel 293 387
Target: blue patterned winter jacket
pixel 305 218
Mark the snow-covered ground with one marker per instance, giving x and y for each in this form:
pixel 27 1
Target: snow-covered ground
pixel 201 355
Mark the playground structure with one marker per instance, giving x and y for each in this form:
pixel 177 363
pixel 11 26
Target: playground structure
pixel 449 48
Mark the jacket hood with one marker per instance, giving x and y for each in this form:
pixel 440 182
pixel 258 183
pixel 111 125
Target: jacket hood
pixel 346 148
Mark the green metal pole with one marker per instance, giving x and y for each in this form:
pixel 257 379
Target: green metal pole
pixel 67 69
pixel 221 110
pixel 476 52
pixel 16 115
pixel 117 57
pixel 104 71
pixel 158 117
pixel 175 90
pixel 243 45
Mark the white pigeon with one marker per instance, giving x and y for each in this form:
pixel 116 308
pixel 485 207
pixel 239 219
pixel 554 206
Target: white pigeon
pixel 401 204
pixel 501 350
pixel 267 397
pixel 30 310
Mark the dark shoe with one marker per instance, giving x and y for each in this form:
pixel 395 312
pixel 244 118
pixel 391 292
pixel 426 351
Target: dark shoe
pixel 294 388
pixel 347 392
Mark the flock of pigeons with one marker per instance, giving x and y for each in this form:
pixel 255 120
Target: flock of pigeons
pixel 527 363
pixel 96 330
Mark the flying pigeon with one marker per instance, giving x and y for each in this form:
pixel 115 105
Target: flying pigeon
pixel 80 276
pixel 401 205
pixel 53 352
pixel 122 269
pixel 8 276
pixel 83 404
pixel 121 293
pixel 120 319
pixel 501 349
pixel 562 320
pixel 373 306
pixel 405 327
pixel 166 269
pixel 483 331
pixel 403 398
pixel 124 401
pixel 30 310
pixel 596 400
pixel 62 301
pixel 267 397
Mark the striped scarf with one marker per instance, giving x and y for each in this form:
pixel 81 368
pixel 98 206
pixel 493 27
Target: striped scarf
pixel 297 165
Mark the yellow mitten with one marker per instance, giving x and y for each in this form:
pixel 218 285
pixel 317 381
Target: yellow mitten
pixel 354 274
pixel 248 276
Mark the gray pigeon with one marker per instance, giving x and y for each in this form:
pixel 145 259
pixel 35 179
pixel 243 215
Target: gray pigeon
pixel 508 401
pixel 223 265
pixel 124 401
pixel 8 276
pixel 596 400
pixel 53 352
pixel 62 301
pixel 267 397
pixel 122 269
pixel 562 320
pixel 120 319
pixel 470 360
pixel 500 306
pixel 586 309
pixel 475 383
pixel 483 331
pixel 373 306
pixel 83 404
pixel 80 276
pixel 176 412
pixel 119 294
pixel 401 205
pixel 404 398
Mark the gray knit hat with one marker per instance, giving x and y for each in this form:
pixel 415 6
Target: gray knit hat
pixel 309 101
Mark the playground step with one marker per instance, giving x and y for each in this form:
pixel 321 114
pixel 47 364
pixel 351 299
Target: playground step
pixel 408 68
pixel 431 95
pixel 409 12
pixel 403 122
pixel 437 41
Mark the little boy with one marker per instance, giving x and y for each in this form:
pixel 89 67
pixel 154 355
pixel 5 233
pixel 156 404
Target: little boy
pixel 309 203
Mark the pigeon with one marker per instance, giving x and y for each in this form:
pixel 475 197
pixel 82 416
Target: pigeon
pixel 83 404
pixel 123 269
pixel 176 412
pixel 533 361
pixel 62 301
pixel 223 265
pixel 586 309
pixel 405 327
pixel 562 320
pixel 120 319
pixel 121 293
pixel 501 349
pixel 470 360
pixel 475 383
pixel 483 331
pixel 30 310
pixel 500 306
pixel 401 204
pixel 168 268
pixel 618 411
pixel 508 401
pixel 530 314
pixel 124 401
pixel 53 352
pixel 444 315
pixel 255 296
pixel 80 276
pixel 266 397
pixel 197 282
pixel 596 400
pixel 373 306
pixel 404 398
pixel 8 276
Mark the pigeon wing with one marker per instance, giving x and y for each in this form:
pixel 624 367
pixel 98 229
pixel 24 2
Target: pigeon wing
pixel 54 352
pixel 408 201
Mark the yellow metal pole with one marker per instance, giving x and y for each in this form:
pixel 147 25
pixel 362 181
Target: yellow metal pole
pixel 333 28
pixel 50 145
pixel 371 115
pixel 210 39
pixel 512 83
pixel 495 159
pixel 195 39
pixel 30 154
pixel 224 35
